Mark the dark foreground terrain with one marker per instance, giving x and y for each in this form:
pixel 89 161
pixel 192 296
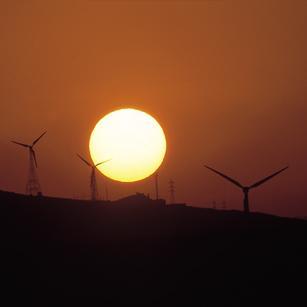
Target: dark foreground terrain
pixel 75 253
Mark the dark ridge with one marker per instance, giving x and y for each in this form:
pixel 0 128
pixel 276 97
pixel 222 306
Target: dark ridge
pixel 137 251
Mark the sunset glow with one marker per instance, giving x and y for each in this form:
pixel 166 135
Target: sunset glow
pixel 133 140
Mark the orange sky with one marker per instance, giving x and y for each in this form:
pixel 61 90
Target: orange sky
pixel 227 80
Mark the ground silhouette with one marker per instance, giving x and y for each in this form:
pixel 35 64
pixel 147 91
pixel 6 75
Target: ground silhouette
pixel 57 252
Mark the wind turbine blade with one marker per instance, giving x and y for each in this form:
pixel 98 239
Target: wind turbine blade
pixel 226 177
pixel 102 162
pixel 84 160
pixel 258 183
pixel 34 157
pixel 38 138
pixel 21 144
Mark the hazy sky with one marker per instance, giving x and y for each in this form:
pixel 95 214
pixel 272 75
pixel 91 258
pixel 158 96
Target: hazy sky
pixel 227 80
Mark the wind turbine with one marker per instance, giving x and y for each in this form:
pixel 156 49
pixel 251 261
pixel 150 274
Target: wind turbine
pixel 245 189
pixel 93 183
pixel 33 187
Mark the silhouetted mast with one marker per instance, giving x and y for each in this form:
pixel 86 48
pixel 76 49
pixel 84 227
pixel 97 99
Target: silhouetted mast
pixel 33 186
pixel 172 191
pixel 245 189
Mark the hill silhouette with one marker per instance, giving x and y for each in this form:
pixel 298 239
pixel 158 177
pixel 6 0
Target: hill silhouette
pixel 61 252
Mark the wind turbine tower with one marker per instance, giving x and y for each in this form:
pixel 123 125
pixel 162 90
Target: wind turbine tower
pixel 33 186
pixel 246 189
pixel 106 190
pixel 93 182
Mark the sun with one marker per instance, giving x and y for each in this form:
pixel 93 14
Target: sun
pixel 133 141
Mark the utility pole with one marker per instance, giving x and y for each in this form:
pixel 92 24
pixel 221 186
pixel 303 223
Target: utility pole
pixel 214 204
pixel 172 191
pixel 157 185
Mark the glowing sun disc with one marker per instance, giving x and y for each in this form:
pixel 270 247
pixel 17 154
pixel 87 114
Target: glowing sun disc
pixel 133 140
